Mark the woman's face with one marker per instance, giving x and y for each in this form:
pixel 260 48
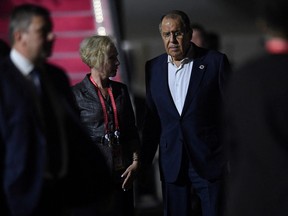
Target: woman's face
pixel 111 63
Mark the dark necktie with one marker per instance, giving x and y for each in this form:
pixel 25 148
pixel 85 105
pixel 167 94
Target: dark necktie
pixel 49 121
pixel 34 76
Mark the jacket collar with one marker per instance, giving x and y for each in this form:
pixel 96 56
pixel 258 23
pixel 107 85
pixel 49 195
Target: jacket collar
pixel 89 88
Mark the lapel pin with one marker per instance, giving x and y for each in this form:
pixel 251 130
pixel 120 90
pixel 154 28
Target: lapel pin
pixel 201 67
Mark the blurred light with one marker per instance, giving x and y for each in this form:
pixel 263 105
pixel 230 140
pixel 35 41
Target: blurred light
pixel 101 31
pixel 98 11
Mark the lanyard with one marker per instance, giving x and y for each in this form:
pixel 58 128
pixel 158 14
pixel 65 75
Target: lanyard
pixel 104 106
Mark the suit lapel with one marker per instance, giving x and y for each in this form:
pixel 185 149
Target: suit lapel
pixel 57 113
pixel 165 87
pixel 198 71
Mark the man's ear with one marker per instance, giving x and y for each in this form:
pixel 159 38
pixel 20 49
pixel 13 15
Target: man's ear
pixel 17 35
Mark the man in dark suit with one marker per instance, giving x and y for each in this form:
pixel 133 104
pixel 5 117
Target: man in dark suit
pixel 21 143
pixel 183 97
pixel 257 123
pixel 45 155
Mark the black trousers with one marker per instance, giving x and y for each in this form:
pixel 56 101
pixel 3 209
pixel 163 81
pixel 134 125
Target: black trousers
pixel 178 197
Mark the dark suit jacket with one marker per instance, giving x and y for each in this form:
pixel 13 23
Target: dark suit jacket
pixel 71 185
pixel 196 130
pixel 21 144
pixel 257 124
pixel 87 172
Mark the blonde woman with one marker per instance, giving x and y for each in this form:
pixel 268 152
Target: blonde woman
pixel 106 112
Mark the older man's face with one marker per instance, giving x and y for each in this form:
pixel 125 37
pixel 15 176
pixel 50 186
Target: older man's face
pixel 176 40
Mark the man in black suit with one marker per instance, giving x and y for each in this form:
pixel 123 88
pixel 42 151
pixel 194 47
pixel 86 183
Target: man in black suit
pixel 45 155
pixel 183 97
pixel 21 143
pixel 257 123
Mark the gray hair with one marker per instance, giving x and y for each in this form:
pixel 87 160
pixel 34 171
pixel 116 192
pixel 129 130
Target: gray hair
pixel 175 14
pixel 22 15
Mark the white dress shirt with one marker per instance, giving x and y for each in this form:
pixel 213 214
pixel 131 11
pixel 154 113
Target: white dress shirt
pixel 178 81
pixel 22 63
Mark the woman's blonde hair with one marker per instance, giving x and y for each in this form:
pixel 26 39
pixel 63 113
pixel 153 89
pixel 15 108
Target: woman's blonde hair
pixel 93 50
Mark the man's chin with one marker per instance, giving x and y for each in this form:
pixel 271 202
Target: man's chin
pixel 177 57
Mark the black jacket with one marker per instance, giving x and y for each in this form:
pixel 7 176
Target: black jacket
pixel 92 118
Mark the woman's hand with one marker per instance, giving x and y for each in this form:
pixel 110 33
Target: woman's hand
pixel 129 175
